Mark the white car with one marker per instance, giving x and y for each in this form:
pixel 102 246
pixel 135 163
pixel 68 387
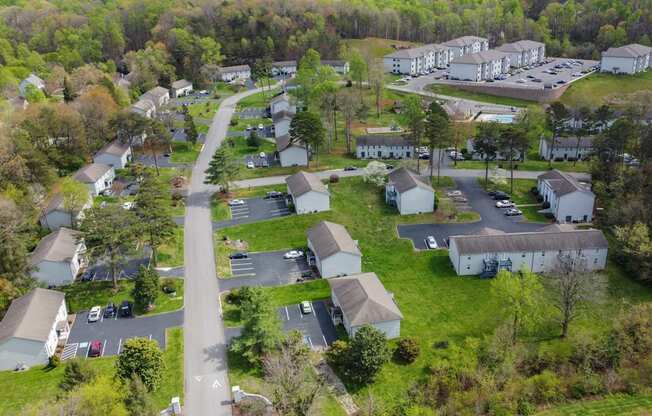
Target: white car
pixel 248 127
pixel 250 165
pixel 293 254
pixel 236 202
pixel 520 81
pixel 262 154
pixel 431 242
pixel 505 204
pixel 94 314
pixel 128 205
pixel 260 126
pixel 305 307
pixel 454 193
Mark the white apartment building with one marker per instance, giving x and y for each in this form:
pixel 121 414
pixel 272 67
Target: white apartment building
pixel 336 254
pixel 307 193
pixel 291 153
pixel 284 68
pixel 628 59
pixel 566 148
pixel 116 154
pixel 340 66
pixel 58 257
pixel 97 176
pixel 570 201
pixel 414 61
pixel 524 52
pixel 466 45
pixel 409 193
pixel 479 66
pixel 231 73
pixel 181 88
pixel 56 215
pixel 383 147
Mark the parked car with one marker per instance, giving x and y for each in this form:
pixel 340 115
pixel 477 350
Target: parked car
pixel 454 193
pixel 349 168
pixel 94 314
pixel 491 193
pixel 306 274
pixel 262 155
pixel 248 127
pixel 260 126
pixel 250 165
pixel 107 192
pixel 424 156
pixel 125 309
pixel 238 255
pixel 504 204
pixel 389 167
pixel 520 81
pixel 306 308
pixel 512 212
pixel 274 194
pixel 293 254
pixel 236 202
pixel 110 310
pixel 128 205
pixel 95 349
pixel 500 196
pixel 88 275
pixel 431 242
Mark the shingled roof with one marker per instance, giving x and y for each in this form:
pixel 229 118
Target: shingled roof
pixel 480 57
pixel 563 183
pixel 234 68
pixel 364 300
pixel 115 148
pixel 520 46
pixel 31 316
pixel 633 50
pixel 410 53
pixel 405 179
pixel 91 173
pixel 59 245
pixel 155 93
pixel 529 241
pixel 381 141
pixel 328 238
pixel 279 115
pixel 464 41
pixel 182 83
pixel 586 142
pixel 284 141
pixel 303 182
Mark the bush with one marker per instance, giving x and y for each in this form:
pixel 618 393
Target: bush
pixel 337 354
pixel 534 190
pixel 525 408
pixel 441 345
pixel 545 205
pixel 239 295
pixel 334 178
pixel 586 385
pixel 141 357
pixel 407 350
pixel 539 198
pixel 368 353
pixel 54 361
pixel 234 121
pixel 544 388
pixel 77 372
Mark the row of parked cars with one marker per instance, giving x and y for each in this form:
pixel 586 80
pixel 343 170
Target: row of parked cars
pixel 502 201
pixel 111 311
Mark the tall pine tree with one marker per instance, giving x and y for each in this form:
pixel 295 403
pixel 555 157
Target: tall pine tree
pixel 222 169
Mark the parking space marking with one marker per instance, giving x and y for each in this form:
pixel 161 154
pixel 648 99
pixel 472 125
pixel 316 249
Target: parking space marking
pixel 287 313
pixel 119 345
pixel 324 338
pixel 103 347
pixel 242 269
pixel 309 341
pixel 300 313
pixel 244 274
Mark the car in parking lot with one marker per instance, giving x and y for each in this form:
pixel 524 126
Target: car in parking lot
pixel 250 165
pixel 248 127
pixel 95 348
pixel 504 204
pixel 349 168
pixel 260 126
pixel 431 243
pixel 512 212
pixel 273 194
pixel 520 81
pixel 306 308
pixel 238 255
pixel 110 310
pixel 125 309
pixel 500 196
pixel 88 275
pixel 236 202
pixel 94 314
pixel 293 254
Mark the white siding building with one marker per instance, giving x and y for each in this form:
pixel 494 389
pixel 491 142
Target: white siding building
pixel 56 216
pixel 158 95
pixel 363 300
pixel 409 193
pixel 291 153
pixel 282 120
pixel 231 73
pixel 628 59
pixel 181 88
pixel 32 80
pixel 539 252
pixel 98 177
pixel 419 60
pixel 566 148
pixel 336 254
pixel 57 257
pixel 280 103
pixel 32 328
pixel 470 148
pixel 466 45
pixel 479 66
pixel 524 52
pixel 383 147
pixel 307 193
pixel 284 68
pixel 570 200
pixel 114 154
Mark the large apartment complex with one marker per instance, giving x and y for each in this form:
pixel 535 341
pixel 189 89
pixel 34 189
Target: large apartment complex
pixel 480 66
pixel 523 52
pixel 417 60
pixel 628 59
pixel 466 45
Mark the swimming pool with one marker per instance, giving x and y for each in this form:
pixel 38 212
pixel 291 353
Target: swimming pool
pixel 499 118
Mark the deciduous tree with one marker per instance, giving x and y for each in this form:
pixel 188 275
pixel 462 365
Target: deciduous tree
pixel 486 144
pixel 146 288
pixel 75 196
pixel 438 133
pixel 307 127
pixel 141 357
pixel 413 117
pixel 152 208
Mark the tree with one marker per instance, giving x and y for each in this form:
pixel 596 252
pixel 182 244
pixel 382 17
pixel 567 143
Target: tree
pixel 68 94
pixel 558 118
pixel 33 94
pixel 14 258
pixel 307 127
pixel 512 142
pixel 222 169
pixel 486 143
pixel 375 173
pixel 307 74
pixel 146 288
pixel 143 358
pixel 368 352
pixel 157 137
pixel 573 288
pixel 585 123
pixel 191 128
pixel 289 371
pixel 413 117
pixel 261 330
pixel 152 207
pixel 438 133
pixel 97 108
pixel 110 232
pixel 519 294
pixel 636 245
pixel 97 398
pixel 253 140
pixel 138 399
pixel 76 373
pixel 347 104
pixel 358 68
pixel 129 126
pixel 75 196
pixel 377 83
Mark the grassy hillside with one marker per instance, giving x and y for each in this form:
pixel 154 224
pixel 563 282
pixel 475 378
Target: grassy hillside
pixel 377 47
pixel 600 88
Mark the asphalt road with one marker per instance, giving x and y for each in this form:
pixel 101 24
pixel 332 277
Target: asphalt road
pixel 205 362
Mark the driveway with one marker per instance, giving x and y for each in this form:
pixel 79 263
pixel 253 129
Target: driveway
pixel 264 269
pixel 317 328
pixel 480 202
pixel 114 332
pixel 254 210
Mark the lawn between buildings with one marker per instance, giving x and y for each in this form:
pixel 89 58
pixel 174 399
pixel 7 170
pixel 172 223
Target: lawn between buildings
pixel 437 304
pixel 42 383
pixel 528 164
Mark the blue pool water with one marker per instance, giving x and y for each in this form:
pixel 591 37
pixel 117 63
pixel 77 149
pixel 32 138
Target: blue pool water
pixel 500 118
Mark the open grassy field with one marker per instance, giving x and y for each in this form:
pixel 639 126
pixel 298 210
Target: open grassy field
pixel 450 90
pixel 258 100
pixel 376 47
pixel 623 405
pixel 598 89
pixel 437 304
pixel 528 164
pixel 184 152
pixel 204 109
pixel 39 383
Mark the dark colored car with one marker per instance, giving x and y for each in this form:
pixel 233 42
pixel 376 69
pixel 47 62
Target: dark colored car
pixel 125 309
pixel 306 274
pixel 88 275
pixel 350 168
pixel 110 310
pixel 491 193
pixel 239 255
pixel 95 349
pixel 500 196
pixel 274 194
pixel 389 166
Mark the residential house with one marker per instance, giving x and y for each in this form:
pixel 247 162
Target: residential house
pixel 158 95
pixel 307 193
pixel 115 153
pixel 32 80
pixel 181 88
pixel 340 66
pixel 480 66
pixel 335 252
pixel 524 52
pixel 361 300
pixel 475 155
pixel 58 257
pixel 56 215
pixel 97 176
pixel 145 107
pixel 282 120
pixel 569 199
pixel 291 153
pixel 419 60
pixel 383 147
pixel 466 45
pixel 409 192
pixel 280 103
pixel 284 68
pixel 628 59
pixel 539 251
pixel 231 73
pixel 566 148
pixel 32 328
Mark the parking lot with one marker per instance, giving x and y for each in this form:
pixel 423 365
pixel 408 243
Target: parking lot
pixel 317 328
pixel 539 76
pixel 260 162
pixel 265 269
pixel 114 332
pixel 101 271
pixel 255 209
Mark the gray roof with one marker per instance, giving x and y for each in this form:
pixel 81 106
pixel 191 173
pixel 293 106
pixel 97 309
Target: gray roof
pixel 480 57
pixel 364 300
pixel 233 68
pixel 529 241
pixel 31 316
pixel 328 238
pixel 586 142
pixel 464 41
pixel 280 97
pixel 405 179
pixel 633 50
pixel 56 204
pixel 563 183
pixel 279 64
pixel 303 182
pixel 284 141
pixel 381 141
pixel 279 115
pixel 155 93
pixel 415 52
pixel 520 46
pixel 91 173
pixel 144 104
pixel 59 245
pixel 115 148
pixel 35 80
pixel 182 83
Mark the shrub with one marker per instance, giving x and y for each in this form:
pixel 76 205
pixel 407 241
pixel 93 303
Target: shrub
pixel 239 295
pixel 76 373
pixel 544 388
pixel 54 361
pixel 441 345
pixel 534 190
pixel 334 178
pixel 337 354
pixel 525 408
pixel 539 198
pixel 586 385
pixel 141 357
pixel 368 353
pixel 234 121
pixel 545 205
pixel 407 350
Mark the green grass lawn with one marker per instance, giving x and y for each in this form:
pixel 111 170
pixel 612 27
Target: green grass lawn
pixel 598 89
pixel 437 304
pixel 184 152
pixel 531 165
pixel 620 404
pixel 376 47
pixel 82 296
pixel 205 109
pixel 452 91
pixel 39 383
pixel 252 122
pixel 240 147
pixel 170 254
pixel 520 196
pixel 258 100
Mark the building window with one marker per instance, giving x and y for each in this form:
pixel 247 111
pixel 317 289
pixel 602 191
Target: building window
pixel 469 258
pixel 595 260
pixel 523 255
pixel 543 254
